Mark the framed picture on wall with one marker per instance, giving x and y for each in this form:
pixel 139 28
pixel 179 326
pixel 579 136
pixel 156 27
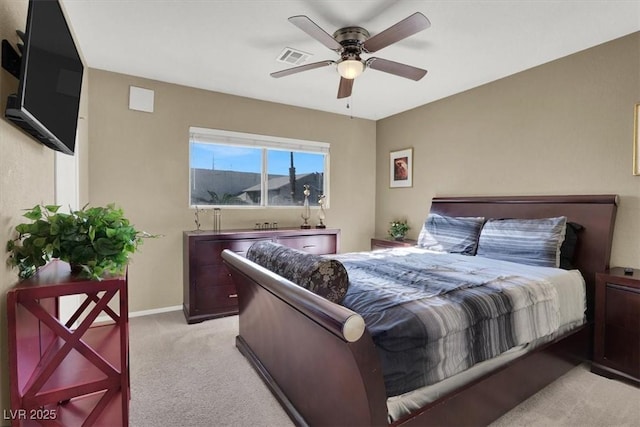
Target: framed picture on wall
pixel 401 168
pixel 636 140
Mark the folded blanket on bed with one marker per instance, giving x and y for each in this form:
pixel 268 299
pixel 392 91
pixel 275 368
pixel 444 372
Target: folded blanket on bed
pixel 434 315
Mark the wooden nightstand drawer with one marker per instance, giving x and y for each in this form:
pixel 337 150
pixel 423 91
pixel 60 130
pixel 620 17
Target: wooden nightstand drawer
pixel 621 350
pixel 623 308
pixel 383 243
pixel 617 325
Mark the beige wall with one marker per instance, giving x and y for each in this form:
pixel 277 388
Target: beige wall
pixel 26 174
pixel 561 128
pixel 26 177
pixel 140 161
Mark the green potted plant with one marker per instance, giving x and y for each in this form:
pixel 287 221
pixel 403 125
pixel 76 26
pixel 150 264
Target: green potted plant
pixel 93 240
pixel 398 229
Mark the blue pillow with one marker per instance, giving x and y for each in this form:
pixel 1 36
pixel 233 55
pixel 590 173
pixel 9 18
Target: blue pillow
pixel 458 235
pixel 525 241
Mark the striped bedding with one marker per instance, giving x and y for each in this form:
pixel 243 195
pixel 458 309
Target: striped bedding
pixel 525 241
pixel 433 315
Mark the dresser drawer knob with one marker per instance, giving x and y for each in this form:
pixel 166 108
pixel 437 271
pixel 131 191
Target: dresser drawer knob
pixel 308 246
pixel 233 296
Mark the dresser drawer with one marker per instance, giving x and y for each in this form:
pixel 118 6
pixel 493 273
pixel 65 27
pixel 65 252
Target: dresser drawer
pixel 212 275
pixel 241 246
pixel 318 244
pixel 211 298
pixel 208 252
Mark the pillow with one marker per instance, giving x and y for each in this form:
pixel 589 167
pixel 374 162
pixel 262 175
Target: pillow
pixel 458 235
pixel 323 276
pixel 525 241
pixel 568 248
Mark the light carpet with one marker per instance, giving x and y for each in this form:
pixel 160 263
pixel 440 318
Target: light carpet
pixel 193 375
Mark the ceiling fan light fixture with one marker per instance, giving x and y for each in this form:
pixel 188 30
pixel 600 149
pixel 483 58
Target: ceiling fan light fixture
pixel 350 68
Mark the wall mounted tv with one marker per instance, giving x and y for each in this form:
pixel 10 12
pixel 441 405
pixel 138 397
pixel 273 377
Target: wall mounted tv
pixel 50 73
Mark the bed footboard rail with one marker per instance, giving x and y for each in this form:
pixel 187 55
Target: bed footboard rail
pixel 316 357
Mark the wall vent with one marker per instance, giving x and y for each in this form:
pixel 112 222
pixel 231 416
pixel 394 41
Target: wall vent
pixel 293 56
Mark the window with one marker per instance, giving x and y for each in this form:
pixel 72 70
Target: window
pixel 244 170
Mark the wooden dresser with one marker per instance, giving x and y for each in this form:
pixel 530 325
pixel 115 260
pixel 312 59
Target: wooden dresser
pixel 208 291
pixel 617 325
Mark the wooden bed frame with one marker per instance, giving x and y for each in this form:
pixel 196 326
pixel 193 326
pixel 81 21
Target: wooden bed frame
pixel 305 349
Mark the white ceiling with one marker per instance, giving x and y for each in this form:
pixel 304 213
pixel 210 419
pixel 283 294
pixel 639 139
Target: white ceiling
pixel 231 46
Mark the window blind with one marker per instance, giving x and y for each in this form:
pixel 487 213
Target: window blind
pixel 217 136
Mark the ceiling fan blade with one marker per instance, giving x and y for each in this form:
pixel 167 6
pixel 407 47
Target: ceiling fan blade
pixel 344 90
pixel 301 68
pixel 403 29
pixel 396 68
pixel 311 28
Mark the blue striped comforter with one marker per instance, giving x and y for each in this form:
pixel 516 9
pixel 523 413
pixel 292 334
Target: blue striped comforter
pixel 432 315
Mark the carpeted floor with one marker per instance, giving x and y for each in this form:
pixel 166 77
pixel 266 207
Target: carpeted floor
pixel 192 375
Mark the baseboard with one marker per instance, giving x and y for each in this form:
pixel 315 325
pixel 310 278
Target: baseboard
pixel 155 311
pixel 103 318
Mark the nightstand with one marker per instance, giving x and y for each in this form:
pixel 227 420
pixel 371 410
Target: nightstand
pixel 386 243
pixel 617 325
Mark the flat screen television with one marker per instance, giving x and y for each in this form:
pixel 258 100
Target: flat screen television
pixel 48 99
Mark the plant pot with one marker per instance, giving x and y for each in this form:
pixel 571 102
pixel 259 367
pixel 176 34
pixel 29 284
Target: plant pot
pixel 76 268
pixel 399 238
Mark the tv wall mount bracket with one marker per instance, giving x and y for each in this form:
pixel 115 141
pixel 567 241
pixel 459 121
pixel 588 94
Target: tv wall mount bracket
pixel 11 59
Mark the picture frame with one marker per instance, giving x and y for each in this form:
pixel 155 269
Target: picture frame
pixel 401 168
pixel 636 140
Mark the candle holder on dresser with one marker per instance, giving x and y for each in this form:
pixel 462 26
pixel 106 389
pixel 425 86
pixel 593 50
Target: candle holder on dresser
pixel 217 219
pixel 197 218
pixel 321 213
pixel 306 211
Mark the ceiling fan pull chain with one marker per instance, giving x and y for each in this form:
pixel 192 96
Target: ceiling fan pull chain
pixel 349 105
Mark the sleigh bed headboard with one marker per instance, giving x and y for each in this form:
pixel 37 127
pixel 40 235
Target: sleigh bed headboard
pixel 596 213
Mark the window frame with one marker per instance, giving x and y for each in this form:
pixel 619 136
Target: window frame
pixel 265 143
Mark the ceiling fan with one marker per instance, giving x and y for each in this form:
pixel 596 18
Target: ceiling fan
pixel 351 42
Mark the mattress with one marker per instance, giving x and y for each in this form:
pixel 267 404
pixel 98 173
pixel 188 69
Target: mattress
pixel 434 316
pixel 404 404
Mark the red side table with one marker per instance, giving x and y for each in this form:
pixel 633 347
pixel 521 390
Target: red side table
pixel 61 376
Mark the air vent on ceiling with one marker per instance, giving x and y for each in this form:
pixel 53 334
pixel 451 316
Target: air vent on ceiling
pixel 293 56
